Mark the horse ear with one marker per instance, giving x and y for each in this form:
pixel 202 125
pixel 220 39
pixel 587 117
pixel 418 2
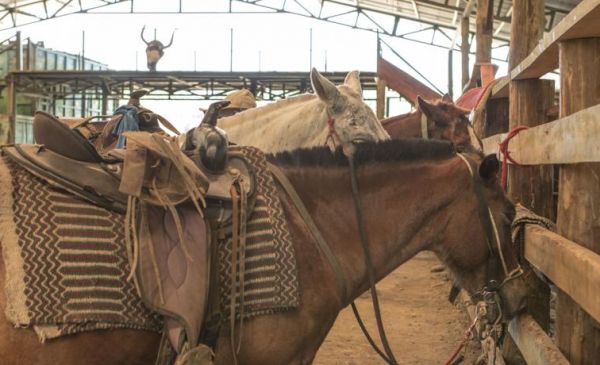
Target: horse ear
pixel 428 108
pixel 324 88
pixel 353 81
pixel 447 99
pixel 489 167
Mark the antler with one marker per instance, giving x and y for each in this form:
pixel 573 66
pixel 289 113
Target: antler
pixel 142 35
pixel 171 41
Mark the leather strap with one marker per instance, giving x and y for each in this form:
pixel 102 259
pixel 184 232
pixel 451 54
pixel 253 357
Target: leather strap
pixel 314 230
pixel 167 124
pixel 390 358
pixel 424 130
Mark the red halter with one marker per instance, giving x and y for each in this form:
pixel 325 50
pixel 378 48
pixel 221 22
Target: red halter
pixel 506 153
pixel 331 133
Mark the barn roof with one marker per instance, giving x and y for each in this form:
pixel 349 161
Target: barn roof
pixel 377 15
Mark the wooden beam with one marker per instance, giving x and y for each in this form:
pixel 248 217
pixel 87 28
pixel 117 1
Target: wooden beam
pixel 581 22
pixel 500 89
pixel 569 140
pixel 380 109
pixel 577 334
pixel 572 267
pixel 535 345
pixel 403 83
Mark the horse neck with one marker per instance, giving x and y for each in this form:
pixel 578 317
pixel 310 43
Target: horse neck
pixel 404 126
pixel 405 207
pixel 302 120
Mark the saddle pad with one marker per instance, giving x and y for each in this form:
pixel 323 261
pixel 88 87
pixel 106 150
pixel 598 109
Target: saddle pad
pixel 66 261
pixel 270 280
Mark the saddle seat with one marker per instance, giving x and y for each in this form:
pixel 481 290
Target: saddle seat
pixel 64 138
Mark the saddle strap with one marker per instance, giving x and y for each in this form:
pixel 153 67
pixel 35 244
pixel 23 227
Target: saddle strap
pixel 314 230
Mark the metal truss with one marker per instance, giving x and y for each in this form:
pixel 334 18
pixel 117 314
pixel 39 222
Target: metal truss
pixel 180 85
pixel 439 17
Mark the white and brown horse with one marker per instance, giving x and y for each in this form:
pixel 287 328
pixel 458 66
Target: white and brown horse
pixel 307 120
pixel 417 195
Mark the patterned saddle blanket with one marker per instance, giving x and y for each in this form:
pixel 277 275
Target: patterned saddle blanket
pixel 68 267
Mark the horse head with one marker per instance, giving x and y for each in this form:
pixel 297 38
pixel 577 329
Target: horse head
pixel 350 117
pixel 208 140
pixel 446 120
pixel 155 50
pixel 482 258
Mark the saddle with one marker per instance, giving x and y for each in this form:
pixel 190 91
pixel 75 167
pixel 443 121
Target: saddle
pixel 171 204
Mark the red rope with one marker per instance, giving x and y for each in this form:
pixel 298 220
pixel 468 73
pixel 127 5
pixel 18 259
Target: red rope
pixel 506 153
pixel 331 133
pixel 463 343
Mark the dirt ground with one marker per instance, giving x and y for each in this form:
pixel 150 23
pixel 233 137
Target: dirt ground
pixel 423 327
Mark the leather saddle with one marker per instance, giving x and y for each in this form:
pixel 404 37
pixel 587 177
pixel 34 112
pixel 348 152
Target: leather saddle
pixel 172 268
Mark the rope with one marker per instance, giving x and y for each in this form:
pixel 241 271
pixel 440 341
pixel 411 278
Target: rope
pixel 506 153
pixel 331 132
pixel 463 343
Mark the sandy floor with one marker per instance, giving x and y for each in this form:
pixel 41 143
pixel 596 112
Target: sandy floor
pixel 423 327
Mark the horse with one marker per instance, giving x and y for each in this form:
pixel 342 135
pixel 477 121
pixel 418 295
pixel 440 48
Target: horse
pixel 333 114
pixel 440 119
pixel 417 195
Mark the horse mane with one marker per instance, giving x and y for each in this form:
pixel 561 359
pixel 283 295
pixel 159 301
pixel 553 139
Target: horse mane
pixel 250 114
pixel 410 149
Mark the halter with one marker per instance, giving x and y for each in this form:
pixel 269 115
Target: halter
pixel 490 229
pixel 487 221
pixel 331 132
pixel 424 130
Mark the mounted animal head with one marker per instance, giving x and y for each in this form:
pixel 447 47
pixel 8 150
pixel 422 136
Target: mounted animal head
pixel 446 120
pixel 350 117
pixel 209 141
pixel 155 50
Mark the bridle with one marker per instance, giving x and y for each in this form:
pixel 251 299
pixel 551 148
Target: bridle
pixel 489 290
pixel 332 134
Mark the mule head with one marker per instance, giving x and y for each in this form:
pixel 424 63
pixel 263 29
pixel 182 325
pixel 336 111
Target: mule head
pixel 154 50
pixel 353 120
pixel 446 120
pixel 477 245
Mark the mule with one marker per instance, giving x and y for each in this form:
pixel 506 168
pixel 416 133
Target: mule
pixel 417 195
pixel 440 119
pixel 333 114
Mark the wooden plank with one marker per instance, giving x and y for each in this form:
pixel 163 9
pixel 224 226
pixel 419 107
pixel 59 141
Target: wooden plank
pixel 500 89
pixel 569 140
pixel 535 345
pixel 578 196
pixel 572 267
pixel 406 85
pixel 581 22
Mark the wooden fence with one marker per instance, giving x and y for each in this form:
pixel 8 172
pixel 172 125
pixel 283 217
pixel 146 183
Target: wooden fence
pixel 570 258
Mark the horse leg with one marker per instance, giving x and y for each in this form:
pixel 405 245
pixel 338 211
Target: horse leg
pixel 21 346
pixel 286 338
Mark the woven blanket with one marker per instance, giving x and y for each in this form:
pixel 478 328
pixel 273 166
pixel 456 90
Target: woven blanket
pixel 73 261
pixel 270 280
pixel 523 217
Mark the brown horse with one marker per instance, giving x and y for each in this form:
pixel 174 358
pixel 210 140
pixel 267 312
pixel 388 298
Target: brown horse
pixel 417 195
pixel 443 120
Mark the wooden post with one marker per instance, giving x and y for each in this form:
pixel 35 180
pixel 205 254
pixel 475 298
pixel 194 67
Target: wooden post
pixel 577 334
pixel 464 50
pixel 485 28
pixel 380 98
pixel 528 102
pixel 11 104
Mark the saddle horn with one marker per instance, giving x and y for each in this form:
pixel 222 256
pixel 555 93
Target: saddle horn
pixel 171 41
pixel 212 114
pixel 142 35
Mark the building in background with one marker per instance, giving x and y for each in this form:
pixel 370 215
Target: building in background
pixel 35 57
